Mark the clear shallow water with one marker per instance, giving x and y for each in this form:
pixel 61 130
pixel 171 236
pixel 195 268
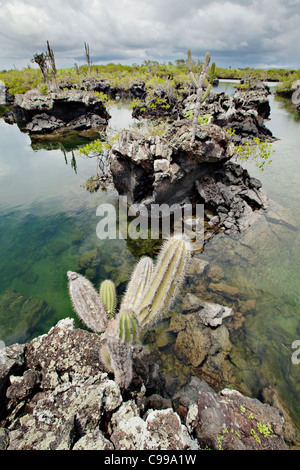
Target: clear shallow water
pixel 48 226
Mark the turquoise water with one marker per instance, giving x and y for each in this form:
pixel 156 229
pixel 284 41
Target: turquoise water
pixel 48 226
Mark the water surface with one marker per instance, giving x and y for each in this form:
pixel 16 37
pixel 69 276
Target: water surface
pixel 48 226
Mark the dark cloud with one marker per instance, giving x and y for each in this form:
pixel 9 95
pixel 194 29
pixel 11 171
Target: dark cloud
pixel 236 32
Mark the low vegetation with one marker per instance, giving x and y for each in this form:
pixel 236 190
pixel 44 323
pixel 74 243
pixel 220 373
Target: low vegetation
pixel 174 75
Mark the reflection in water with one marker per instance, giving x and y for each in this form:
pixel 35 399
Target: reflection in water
pixel 48 226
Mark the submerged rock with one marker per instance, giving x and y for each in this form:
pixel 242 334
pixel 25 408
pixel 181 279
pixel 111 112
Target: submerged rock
pixel 21 316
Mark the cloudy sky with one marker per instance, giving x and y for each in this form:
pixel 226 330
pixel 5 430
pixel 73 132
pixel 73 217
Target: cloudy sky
pixel 260 33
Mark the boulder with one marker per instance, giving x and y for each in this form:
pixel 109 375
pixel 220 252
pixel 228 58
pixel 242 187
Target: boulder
pixel 256 98
pixel 165 168
pixel 56 395
pixel 71 109
pixel 229 421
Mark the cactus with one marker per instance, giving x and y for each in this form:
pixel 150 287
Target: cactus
pixel 138 284
pixel 128 326
pixel 117 355
pixel 87 303
pixel 150 293
pixel 167 278
pixel 199 85
pixel 108 296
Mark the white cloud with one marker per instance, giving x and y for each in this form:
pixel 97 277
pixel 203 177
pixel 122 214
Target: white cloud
pixel 236 32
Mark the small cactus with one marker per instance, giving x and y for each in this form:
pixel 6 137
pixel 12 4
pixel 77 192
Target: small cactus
pixel 128 326
pixel 108 296
pixel 87 303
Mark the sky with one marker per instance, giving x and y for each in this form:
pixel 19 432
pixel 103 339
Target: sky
pixel 237 33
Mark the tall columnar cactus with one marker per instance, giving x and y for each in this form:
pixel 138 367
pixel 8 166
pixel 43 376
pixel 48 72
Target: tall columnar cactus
pixel 108 296
pixel 87 303
pixel 150 293
pixel 199 84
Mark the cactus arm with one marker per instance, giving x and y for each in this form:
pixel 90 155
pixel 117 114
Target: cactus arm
pixel 212 73
pixel 192 76
pixel 87 303
pixel 166 280
pixel 138 284
pixel 107 292
pixel 207 92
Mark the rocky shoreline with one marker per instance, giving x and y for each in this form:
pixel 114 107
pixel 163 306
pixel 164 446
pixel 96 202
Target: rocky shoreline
pixel 71 110
pixel 57 395
pixel 55 392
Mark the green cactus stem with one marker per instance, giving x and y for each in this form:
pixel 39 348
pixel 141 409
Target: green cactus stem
pixel 87 303
pixel 167 278
pixel 138 284
pixel 108 296
pixel 212 73
pixel 128 326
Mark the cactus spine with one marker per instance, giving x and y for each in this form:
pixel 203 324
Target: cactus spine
pixel 167 278
pixel 199 85
pixel 108 296
pixel 87 303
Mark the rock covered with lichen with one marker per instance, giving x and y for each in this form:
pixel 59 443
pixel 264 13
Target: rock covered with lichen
pixel 56 395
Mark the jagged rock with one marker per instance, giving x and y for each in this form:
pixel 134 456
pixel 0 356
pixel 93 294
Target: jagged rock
pixel 11 362
pixel 138 89
pixel 256 98
pixel 4 439
pixel 58 397
pixel 210 314
pixel 162 430
pixel 164 168
pixel 71 109
pixel 244 113
pixel 227 420
pixel 94 440
pixel 93 84
pixel 169 169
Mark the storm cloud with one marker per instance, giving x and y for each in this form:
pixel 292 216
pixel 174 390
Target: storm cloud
pixel 237 33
